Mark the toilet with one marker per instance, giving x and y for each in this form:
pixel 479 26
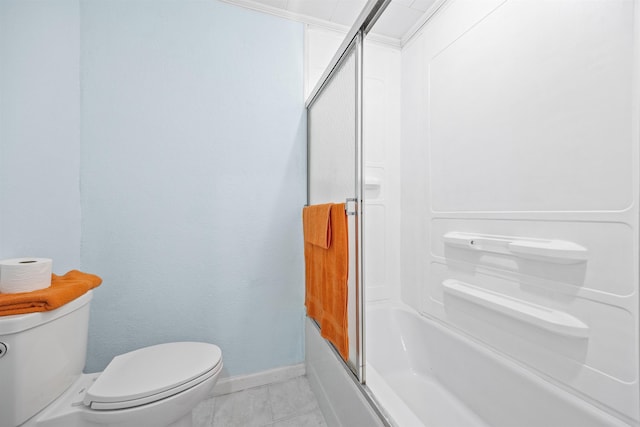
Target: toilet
pixel 42 356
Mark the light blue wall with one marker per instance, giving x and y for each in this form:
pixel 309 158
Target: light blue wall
pixel 40 131
pixel 193 179
pixel 161 145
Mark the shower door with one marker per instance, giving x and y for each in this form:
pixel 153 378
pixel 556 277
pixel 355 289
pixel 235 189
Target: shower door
pixel 334 120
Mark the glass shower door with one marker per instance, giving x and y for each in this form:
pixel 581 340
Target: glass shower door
pixel 335 170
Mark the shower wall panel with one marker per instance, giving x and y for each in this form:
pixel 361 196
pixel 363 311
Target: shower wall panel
pixel 520 186
pixel 381 133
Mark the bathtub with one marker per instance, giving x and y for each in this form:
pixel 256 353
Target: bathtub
pixel 425 374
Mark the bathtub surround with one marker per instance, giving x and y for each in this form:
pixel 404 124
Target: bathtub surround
pixel 466 382
pixel 192 169
pixel 526 143
pixel 519 220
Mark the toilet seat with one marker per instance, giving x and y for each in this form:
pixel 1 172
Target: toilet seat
pixel 152 373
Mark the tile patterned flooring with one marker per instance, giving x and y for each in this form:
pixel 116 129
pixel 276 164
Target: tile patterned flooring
pixel 285 404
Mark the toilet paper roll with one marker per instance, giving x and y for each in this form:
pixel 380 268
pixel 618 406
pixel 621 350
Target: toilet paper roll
pixel 24 274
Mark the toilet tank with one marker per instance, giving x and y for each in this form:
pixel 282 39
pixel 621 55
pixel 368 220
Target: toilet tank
pixel 45 353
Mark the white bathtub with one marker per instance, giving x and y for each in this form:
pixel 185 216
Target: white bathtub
pixel 424 374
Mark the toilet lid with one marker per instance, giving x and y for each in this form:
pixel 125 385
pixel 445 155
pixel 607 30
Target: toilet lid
pixel 153 373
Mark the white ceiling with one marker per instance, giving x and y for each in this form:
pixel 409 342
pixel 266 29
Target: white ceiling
pixel 399 17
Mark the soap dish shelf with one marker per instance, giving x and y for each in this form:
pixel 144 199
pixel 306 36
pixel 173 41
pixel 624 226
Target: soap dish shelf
pixel 372 183
pixel 554 251
pixel 536 315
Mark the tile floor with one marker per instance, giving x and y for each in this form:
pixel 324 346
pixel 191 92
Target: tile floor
pixel 285 404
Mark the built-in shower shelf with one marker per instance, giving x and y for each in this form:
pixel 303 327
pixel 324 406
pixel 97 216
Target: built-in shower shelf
pixel 546 318
pixel 372 183
pixel 555 251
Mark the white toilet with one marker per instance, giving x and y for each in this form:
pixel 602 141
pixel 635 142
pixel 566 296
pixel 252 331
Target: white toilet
pixel 42 385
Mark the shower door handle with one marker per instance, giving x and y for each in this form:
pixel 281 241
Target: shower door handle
pixel 351 206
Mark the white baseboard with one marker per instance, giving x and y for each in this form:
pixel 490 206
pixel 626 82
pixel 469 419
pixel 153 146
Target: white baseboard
pixel 243 382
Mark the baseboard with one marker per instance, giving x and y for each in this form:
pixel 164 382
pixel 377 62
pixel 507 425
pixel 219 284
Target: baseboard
pixel 243 382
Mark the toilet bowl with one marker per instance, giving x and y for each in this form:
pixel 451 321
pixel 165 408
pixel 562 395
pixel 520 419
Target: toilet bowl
pixel 152 386
pixel 41 370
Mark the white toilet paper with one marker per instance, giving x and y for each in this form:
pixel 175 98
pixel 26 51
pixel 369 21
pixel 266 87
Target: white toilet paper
pixel 24 275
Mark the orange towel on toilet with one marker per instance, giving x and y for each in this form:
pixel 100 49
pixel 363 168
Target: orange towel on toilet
pixel 63 289
pixel 326 251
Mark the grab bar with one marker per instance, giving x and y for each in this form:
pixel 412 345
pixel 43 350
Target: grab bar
pixel 555 251
pixel 546 318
